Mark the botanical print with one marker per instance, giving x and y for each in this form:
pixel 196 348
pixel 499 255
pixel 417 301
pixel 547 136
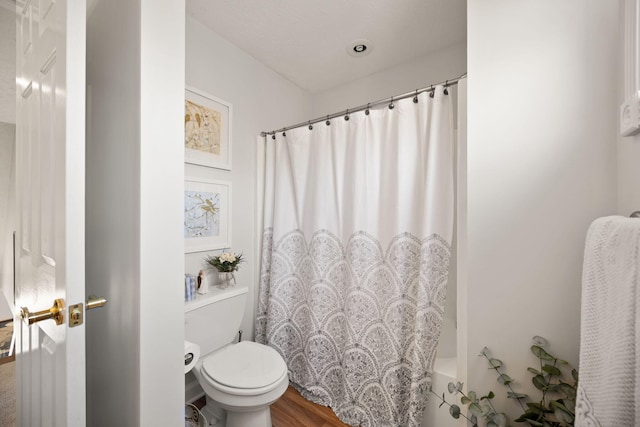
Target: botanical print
pixel 202 128
pixel 201 214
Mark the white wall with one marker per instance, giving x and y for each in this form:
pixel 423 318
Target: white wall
pixel 628 149
pixel 541 166
pixel 162 77
pixel 628 152
pixel 7 154
pixel 629 175
pixel 7 62
pixel 112 223
pixel 7 216
pixel 135 77
pixel 446 63
pixel 261 100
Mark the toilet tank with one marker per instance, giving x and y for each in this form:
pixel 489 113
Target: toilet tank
pixel 212 320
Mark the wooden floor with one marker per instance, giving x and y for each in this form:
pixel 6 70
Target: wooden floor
pixel 293 410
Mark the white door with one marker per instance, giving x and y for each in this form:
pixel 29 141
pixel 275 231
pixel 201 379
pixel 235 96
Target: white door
pixel 50 179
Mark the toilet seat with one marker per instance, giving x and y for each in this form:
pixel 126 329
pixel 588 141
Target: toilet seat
pixel 246 368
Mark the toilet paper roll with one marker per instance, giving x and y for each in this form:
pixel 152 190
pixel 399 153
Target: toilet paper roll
pixel 191 355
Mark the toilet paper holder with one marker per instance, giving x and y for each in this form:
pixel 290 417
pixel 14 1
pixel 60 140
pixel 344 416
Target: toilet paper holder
pixel 191 355
pixel 188 358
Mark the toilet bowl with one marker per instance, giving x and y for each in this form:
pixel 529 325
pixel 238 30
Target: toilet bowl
pixel 242 380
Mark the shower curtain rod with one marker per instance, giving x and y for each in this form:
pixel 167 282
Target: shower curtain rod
pixel 367 106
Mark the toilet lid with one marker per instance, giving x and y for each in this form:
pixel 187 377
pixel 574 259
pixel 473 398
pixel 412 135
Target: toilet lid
pixel 245 365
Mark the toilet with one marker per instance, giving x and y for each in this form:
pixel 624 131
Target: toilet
pixel 240 380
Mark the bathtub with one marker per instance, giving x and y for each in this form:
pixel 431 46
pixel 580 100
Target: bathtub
pixel 444 371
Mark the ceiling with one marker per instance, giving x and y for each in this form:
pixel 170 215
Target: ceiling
pixel 306 41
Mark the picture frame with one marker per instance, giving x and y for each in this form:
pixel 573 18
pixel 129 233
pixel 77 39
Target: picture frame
pixel 207 214
pixel 207 135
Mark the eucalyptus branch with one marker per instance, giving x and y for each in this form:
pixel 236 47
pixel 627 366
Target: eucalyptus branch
pixel 506 379
pixel 457 410
pixel 549 380
pixel 546 389
pixel 493 408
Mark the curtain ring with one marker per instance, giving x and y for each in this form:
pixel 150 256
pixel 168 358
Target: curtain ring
pixel 310 125
pixel 432 92
pixel 446 87
pixel 346 116
pixel 391 105
pixel 273 136
pixel 328 122
pixel 366 112
pixel 415 98
pixel 284 132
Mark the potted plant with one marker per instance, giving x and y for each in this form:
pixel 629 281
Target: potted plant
pixel 225 264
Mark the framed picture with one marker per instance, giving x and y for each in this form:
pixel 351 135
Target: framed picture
pixel 207 130
pixel 207 219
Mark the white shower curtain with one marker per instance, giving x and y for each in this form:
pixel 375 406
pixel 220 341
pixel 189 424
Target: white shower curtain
pixel 358 219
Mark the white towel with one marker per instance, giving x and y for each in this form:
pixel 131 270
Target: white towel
pixel 609 386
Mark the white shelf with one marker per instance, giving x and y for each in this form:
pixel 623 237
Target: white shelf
pixel 215 294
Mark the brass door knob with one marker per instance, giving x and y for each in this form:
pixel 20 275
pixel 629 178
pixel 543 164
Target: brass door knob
pixel 56 312
pixel 95 302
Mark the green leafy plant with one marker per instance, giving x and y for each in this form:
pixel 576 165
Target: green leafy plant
pixel 226 262
pixel 555 408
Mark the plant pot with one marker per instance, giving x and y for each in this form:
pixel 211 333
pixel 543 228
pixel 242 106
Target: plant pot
pixel 225 278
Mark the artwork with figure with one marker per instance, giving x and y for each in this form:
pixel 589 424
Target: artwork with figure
pixel 207 130
pixel 207 224
pixel 202 128
pixel 201 214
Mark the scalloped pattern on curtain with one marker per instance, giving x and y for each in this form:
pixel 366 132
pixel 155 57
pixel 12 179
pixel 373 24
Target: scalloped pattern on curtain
pixel 357 324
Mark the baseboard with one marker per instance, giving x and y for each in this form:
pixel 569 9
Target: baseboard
pixel 7 359
pixel 7 341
